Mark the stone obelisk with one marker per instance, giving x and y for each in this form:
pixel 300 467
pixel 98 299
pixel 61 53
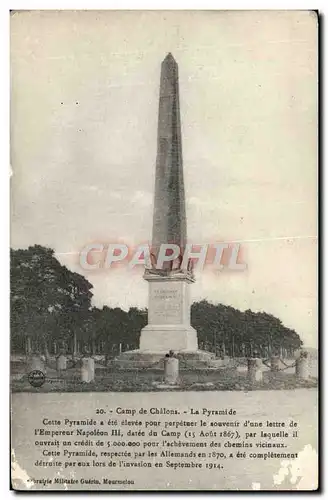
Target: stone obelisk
pixel 169 222
pixel 169 304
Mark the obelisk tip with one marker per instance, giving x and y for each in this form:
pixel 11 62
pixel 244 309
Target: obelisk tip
pixel 169 58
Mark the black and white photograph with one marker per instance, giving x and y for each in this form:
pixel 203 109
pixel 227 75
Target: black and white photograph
pixel 164 250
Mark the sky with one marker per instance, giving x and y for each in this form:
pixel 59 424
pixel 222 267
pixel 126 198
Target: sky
pixel 84 105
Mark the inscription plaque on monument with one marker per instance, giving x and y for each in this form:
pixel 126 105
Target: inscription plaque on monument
pixel 166 304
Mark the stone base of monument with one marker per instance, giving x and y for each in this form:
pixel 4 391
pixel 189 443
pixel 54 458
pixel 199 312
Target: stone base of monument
pixel 163 338
pixel 168 327
pixel 143 360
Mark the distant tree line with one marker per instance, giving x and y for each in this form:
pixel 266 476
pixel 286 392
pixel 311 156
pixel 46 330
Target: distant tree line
pixel 227 331
pixel 51 311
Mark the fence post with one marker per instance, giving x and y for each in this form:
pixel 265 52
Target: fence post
pixel 87 370
pixel 254 370
pixel 302 367
pixel 61 362
pixel 274 363
pixel 35 363
pixel 171 370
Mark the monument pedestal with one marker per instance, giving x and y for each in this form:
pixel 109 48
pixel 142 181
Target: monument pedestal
pixel 165 338
pixel 148 360
pixel 168 326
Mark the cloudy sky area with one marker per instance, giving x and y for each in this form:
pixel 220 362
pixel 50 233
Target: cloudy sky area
pixel 85 89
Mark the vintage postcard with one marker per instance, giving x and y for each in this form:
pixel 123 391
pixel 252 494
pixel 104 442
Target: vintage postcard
pixel 164 325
